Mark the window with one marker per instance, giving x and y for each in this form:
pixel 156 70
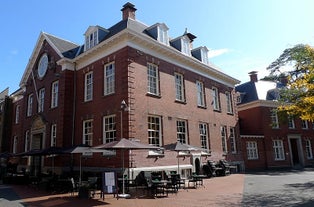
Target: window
pixel 14 150
pixel 274 119
pixel 252 151
pixel 203 127
pixel 163 34
pixel 91 40
pixel 54 94
pixel 185 46
pixel 278 150
pixel 223 132
pixel 41 100
pixel 291 124
pixel 53 139
pixel 27 141
pixel 88 132
pixel 179 84
pixel 154 130
pixel 30 104
pixel 308 148
pixel 17 114
pixel 233 143
pixel 229 103
pixel 215 96
pixel 109 79
pixel 200 94
pixel 109 127
pixel 204 53
pixel 305 124
pixel 88 92
pixel 182 131
pixel 152 79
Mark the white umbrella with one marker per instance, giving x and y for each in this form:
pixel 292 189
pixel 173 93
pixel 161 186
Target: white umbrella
pixel 83 149
pixel 125 144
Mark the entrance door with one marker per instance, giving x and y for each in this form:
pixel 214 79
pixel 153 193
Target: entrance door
pixel 197 166
pixel 35 164
pixel 294 144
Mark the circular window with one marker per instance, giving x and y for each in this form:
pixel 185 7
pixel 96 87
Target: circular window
pixel 42 66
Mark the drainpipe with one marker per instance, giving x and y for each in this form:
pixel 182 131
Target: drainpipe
pixel 73 116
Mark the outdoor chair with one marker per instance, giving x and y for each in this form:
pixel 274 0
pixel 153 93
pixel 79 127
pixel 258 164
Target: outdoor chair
pixel 212 168
pixel 74 186
pixel 225 167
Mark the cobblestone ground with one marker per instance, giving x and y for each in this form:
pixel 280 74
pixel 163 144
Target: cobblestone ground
pixel 219 191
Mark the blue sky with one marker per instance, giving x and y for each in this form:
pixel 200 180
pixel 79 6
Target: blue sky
pixel 243 35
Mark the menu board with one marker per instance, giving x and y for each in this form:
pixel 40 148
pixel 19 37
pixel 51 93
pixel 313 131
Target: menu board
pixel 109 184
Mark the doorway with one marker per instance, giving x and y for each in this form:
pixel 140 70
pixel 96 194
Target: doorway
pixel 296 152
pixel 36 161
pixel 197 166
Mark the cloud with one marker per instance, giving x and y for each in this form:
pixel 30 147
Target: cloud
pixel 218 52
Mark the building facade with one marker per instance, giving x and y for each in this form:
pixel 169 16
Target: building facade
pixel 130 80
pixel 268 140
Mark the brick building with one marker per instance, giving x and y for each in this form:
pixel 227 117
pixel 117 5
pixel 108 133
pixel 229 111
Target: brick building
pixel 270 141
pixel 132 77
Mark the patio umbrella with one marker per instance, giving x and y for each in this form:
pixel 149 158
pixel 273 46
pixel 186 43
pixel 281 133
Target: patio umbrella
pixel 125 144
pixel 80 149
pixel 181 147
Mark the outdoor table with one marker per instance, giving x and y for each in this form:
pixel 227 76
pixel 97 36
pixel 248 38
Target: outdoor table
pixel 159 186
pixel 198 179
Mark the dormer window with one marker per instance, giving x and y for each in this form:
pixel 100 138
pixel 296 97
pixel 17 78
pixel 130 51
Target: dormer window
pixel 91 40
pixel 163 34
pixel 204 54
pixel 185 46
pixel 201 53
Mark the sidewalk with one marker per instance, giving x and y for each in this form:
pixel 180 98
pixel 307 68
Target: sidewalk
pixel 219 191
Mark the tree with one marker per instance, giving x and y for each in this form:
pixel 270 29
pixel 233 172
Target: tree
pixel 296 64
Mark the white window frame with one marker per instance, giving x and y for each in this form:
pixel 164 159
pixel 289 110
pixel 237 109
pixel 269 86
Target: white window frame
pixel 54 94
pixel 17 114
pixel 27 141
pixel 232 137
pixel 204 54
pixel 252 150
pixel 152 79
pixel 109 78
pixel 179 86
pixel 223 134
pixel 291 123
pixel 88 132
pixel 185 46
pixel 182 133
pixel 274 119
pixel 154 130
pixel 30 101
pixel 308 149
pixel 200 94
pixel 41 99
pixel 203 129
pixel 53 135
pixel 279 151
pixel 109 129
pixel 163 34
pixel 88 86
pixel 91 40
pixel 305 124
pixel 229 102
pixel 215 96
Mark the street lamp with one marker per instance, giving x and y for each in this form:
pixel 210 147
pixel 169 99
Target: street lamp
pixel 124 107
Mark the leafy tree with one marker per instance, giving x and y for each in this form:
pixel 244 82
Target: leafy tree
pixel 296 64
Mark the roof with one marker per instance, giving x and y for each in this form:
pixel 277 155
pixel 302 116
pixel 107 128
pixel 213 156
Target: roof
pixel 260 90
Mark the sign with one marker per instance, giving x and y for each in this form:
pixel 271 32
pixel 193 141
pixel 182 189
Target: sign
pixel 109 184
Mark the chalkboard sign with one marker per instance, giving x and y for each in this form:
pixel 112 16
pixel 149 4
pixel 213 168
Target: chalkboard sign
pixel 109 183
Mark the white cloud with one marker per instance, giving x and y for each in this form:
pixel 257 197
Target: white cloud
pixel 218 52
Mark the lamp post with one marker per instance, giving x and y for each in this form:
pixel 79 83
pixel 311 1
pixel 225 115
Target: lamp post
pixel 124 107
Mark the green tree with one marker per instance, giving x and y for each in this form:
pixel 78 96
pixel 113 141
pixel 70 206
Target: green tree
pixel 296 65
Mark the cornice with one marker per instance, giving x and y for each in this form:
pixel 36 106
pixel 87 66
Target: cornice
pixel 258 103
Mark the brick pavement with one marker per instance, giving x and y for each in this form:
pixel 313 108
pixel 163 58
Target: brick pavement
pixel 219 191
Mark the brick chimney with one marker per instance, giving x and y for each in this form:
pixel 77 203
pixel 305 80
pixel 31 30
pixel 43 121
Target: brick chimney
pixel 253 76
pixel 128 11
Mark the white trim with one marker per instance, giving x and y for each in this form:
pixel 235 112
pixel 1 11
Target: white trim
pixel 252 136
pixel 258 103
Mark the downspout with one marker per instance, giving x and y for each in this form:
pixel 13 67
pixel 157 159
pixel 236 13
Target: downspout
pixel 74 106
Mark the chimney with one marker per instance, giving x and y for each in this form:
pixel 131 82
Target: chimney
pixel 253 76
pixel 128 11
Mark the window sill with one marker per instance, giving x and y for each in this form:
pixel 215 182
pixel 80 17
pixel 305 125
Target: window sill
pixel 180 102
pixel 153 95
pixel 201 107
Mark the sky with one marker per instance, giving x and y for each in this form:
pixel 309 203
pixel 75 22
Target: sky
pixel 242 35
